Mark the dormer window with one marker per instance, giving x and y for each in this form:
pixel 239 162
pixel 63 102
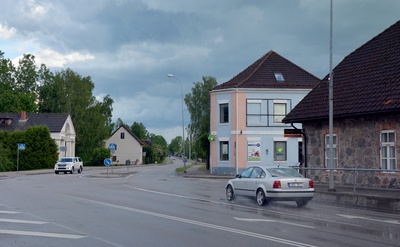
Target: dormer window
pixel 279 77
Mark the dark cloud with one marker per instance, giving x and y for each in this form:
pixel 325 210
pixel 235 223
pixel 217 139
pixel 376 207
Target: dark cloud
pixel 128 46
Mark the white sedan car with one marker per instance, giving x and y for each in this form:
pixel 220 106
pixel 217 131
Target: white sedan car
pixel 271 184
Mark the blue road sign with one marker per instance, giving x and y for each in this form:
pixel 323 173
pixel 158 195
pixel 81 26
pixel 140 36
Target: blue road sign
pixel 112 146
pixel 21 146
pixel 107 162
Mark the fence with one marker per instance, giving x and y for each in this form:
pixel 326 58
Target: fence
pixel 355 177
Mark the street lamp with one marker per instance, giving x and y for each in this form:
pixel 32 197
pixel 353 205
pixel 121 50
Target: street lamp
pixel 183 125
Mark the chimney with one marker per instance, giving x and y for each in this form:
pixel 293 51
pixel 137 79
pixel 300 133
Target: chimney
pixel 23 116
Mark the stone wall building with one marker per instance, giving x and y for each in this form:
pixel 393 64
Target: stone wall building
pixel 366 117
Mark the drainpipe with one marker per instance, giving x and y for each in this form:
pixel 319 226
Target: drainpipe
pixel 305 144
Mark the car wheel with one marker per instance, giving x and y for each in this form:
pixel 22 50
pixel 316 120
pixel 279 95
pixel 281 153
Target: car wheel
pixel 261 199
pixel 56 172
pixel 80 170
pixel 72 170
pixel 229 193
pixel 301 203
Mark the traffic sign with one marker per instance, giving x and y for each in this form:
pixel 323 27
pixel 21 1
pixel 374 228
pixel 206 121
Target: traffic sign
pixel 112 146
pixel 107 162
pixel 21 146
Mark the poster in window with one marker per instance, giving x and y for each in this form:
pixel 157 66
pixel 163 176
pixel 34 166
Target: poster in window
pixel 224 148
pixel 253 151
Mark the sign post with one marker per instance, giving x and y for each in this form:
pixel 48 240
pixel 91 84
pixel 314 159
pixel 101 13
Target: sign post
pixel 112 147
pixel 107 162
pixel 21 146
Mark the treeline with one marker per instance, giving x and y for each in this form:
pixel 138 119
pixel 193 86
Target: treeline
pixel 27 87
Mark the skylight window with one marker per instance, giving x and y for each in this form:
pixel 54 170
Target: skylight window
pixel 279 77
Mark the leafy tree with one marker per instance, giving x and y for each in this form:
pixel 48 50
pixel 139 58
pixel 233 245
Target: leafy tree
pixel 35 89
pixel 99 155
pixel 139 130
pixel 198 104
pixel 160 141
pixel 18 88
pixel 41 150
pixel 175 146
pixel 69 92
pixel 6 162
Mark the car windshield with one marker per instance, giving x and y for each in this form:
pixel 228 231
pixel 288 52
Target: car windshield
pixel 66 160
pixel 283 172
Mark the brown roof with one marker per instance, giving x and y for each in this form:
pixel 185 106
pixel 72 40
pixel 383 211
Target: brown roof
pixel 129 131
pixel 367 81
pixel 54 121
pixel 261 74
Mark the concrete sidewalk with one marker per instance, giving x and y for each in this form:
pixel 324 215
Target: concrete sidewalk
pixel 385 200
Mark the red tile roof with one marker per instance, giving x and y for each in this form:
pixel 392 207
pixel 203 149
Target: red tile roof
pixel 261 74
pixel 367 81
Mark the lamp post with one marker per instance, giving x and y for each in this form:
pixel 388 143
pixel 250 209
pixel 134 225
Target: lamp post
pixel 183 125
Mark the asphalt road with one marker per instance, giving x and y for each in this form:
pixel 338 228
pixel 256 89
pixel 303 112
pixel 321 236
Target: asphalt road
pixel 152 207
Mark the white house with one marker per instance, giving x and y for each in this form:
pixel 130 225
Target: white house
pixel 128 148
pixel 61 128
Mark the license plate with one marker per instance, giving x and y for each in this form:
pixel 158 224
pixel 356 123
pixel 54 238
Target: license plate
pixel 295 185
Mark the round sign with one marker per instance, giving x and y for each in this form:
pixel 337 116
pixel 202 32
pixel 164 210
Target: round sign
pixel 107 162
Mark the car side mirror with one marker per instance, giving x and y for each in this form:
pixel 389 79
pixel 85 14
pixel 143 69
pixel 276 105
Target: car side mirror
pixel 238 176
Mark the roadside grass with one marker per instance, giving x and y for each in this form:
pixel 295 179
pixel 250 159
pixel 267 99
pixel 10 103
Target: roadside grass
pixel 181 169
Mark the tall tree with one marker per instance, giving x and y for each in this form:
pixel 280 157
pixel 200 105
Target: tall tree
pixel 71 93
pixel 140 131
pixel 175 145
pixel 198 104
pixel 18 88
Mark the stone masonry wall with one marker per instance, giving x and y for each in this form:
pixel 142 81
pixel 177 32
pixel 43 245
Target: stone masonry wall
pixel 358 145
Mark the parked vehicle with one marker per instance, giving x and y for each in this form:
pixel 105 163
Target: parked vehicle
pixel 69 164
pixel 271 184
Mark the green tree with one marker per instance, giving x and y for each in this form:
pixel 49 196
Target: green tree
pixel 41 150
pixel 198 104
pixel 175 146
pixel 99 155
pixel 69 92
pixel 140 131
pixel 18 88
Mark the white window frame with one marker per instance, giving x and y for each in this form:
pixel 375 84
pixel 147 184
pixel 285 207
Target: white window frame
pixel 327 151
pixel 255 117
pixel 278 116
pixel 388 159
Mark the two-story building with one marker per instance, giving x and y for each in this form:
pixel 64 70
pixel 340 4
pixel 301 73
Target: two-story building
pixel 247 111
pixel 127 147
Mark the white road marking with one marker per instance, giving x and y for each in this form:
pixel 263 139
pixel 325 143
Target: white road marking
pixel 273 221
pixel 397 222
pixel 41 234
pixel 198 223
pixel 23 221
pixel 8 212
pixel 239 206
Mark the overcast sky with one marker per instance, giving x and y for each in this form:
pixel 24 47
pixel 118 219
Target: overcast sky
pixel 128 47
